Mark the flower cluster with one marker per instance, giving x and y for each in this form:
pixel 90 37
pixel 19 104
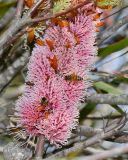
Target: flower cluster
pixel 57 79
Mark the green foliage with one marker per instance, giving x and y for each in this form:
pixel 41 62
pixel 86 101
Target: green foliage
pixel 118 109
pixel 60 6
pixel 107 3
pixel 87 109
pixel 103 52
pixel 108 88
pixel 4 6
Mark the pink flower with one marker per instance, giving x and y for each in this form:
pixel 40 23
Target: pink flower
pixel 57 128
pixel 39 67
pixel 30 107
pixel 55 121
pixel 74 45
pixel 57 80
pixel 28 116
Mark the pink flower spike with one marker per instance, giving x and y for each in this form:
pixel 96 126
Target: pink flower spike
pixel 57 80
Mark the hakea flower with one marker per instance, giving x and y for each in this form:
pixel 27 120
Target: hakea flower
pixel 39 68
pixel 57 79
pixel 46 111
pixel 73 45
pixel 74 55
pixel 57 128
pixel 39 100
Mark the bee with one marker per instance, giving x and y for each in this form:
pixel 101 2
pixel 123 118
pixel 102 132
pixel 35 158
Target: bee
pixel 42 107
pixel 73 77
pixel 29 83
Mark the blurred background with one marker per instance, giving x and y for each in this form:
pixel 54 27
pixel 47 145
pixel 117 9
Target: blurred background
pixel 110 75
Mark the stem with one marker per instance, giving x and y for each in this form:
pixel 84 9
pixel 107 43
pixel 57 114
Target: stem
pixel 108 99
pixel 39 19
pixel 20 4
pixel 40 147
pixel 7 18
pixel 8 37
pixel 34 8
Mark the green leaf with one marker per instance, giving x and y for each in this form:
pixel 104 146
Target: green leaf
pixel 4 6
pixel 108 88
pixel 60 6
pixel 117 108
pixel 103 52
pixel 87 109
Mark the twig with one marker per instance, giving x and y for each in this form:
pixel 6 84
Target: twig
pixel 114 13
pixel 39 19
pixel 109 61
pixel 13 29
pixel 87 131
pixel 100 155
pixel 40 147
pixel 121 137
pixel 7 18
pixel 108 154
pixel 105 117
pixel 27 21
pixel 11 71
pixel 37 4
pixel 78 147
pixel 108 99
pixel 20 4
pixel 13 39
pixel 113 29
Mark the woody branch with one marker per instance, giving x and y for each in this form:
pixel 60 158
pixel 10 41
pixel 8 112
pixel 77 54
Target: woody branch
pixel 109 131
pixel 28 21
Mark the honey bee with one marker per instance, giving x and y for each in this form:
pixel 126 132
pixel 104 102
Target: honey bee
pixel 29 83
pixel 42 107
pixel 73 77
